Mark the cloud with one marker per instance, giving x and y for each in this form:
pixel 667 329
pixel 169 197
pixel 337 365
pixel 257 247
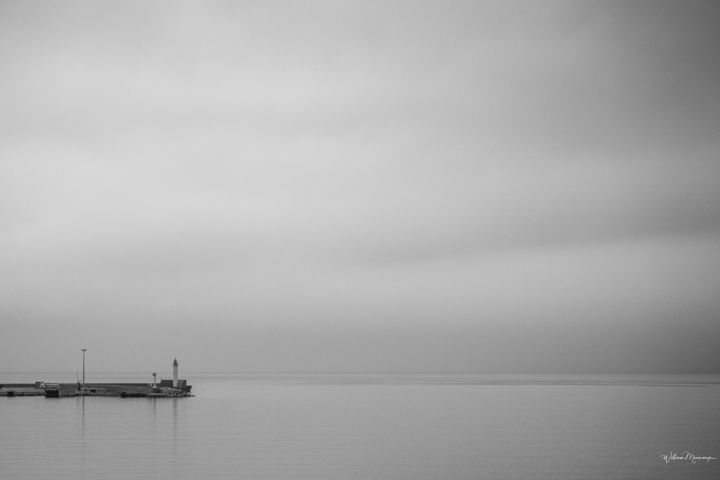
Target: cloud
pixel 468 166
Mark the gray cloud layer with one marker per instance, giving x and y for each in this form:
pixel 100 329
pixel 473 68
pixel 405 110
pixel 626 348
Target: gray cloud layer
pixel 361 185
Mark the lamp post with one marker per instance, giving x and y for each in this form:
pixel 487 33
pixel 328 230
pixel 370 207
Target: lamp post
pixel 83 350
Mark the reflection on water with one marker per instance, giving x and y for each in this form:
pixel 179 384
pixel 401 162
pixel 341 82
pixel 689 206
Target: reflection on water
pixel 176 440
pixel 352 427
pixel 80 404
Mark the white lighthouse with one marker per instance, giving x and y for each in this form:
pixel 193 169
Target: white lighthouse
pixel 175 373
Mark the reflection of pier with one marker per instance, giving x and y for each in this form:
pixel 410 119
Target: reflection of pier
pixel 174 388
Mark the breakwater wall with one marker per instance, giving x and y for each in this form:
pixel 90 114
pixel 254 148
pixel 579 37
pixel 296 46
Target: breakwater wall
pixel 56 390
pixel 21 389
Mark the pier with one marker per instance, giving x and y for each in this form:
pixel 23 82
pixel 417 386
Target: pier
pixel 166 388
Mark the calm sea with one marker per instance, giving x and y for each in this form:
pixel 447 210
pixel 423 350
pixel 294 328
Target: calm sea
pixel 242 426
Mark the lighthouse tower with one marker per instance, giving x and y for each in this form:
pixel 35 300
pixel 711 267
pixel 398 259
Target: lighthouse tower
pixel 175 373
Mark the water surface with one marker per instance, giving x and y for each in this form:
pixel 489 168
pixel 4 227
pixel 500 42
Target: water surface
pixel 370 427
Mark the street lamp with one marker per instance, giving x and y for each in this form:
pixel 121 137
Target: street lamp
pixel 83 350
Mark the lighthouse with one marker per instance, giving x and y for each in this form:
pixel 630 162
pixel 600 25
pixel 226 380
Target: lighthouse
pixel 175 373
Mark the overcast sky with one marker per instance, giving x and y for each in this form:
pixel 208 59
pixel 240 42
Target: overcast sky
pixel 360 186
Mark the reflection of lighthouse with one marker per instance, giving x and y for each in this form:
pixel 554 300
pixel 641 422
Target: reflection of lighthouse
pixel 175 373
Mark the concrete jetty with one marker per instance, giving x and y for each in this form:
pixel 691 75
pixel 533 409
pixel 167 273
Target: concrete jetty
pixel 166 388
pixel 21 389
pixel 57 390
